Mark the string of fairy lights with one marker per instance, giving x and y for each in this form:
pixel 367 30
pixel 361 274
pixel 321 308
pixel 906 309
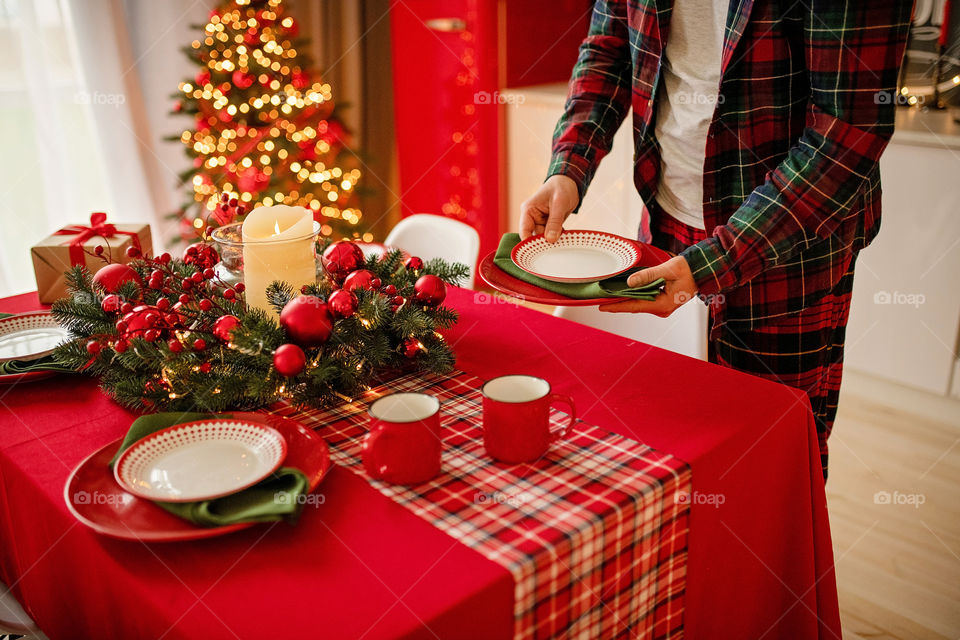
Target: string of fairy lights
pixel 262 131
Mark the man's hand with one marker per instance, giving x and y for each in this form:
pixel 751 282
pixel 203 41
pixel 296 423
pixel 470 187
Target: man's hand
pixel 678 289
pixel 545 211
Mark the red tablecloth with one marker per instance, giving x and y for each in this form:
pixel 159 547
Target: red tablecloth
pixel 760 560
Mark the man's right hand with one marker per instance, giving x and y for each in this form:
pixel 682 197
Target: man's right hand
pixel 545 211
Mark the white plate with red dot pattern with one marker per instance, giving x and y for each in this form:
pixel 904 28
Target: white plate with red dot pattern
pixel 577 256
pixel 29 336
pixel 200 460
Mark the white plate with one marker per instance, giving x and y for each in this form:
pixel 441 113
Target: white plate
pixel 577 256
pixel 30 336
pixel 200 460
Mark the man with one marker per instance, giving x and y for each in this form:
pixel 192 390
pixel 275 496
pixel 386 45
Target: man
pixel 758 127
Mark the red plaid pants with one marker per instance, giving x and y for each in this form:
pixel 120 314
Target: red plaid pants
pixel 803 349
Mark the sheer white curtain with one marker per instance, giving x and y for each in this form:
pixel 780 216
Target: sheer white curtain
pixel 76 134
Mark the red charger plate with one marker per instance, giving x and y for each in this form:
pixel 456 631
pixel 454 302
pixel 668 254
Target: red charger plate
pixel 14 378
pixel 503 282
pixel 95 499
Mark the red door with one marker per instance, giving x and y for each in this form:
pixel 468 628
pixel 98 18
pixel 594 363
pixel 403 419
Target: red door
pixel 451 60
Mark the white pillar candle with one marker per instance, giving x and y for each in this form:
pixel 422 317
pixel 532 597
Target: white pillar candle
pixel 278 244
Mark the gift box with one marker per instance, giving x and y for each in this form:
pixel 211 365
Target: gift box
pixel 75 245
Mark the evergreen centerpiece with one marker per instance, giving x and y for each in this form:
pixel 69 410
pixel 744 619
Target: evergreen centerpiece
pixel 166 334
pixel 265 129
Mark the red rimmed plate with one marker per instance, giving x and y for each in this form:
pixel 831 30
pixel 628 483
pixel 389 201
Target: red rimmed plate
pixel 501 281
pixel 200 460
pixel 29 336
pixel 577 256
pixel 95 499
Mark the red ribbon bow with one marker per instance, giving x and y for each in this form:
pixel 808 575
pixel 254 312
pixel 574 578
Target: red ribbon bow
pixel 98 227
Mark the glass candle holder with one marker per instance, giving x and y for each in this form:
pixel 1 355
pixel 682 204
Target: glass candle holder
pixel 257 263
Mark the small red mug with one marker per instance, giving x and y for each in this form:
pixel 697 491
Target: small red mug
pixel 516 417
pixel 403 445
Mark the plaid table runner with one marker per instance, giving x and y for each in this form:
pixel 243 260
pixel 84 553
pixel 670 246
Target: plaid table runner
pixel 594 534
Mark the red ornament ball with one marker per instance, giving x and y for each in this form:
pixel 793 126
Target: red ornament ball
pixel 203 256
pixel 289 360
pixel 224 326
pixel 307 321
pixel 342 304
pixel 93 347
pixel 361 279
pixel 340 258
pixel 429 290
pixel 242 80
pixel 113 275
pixel 411 347
pixel 138 321
pixel 413 263
pixel 110 303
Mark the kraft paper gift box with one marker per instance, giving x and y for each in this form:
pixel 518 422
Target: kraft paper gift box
pixel 75 244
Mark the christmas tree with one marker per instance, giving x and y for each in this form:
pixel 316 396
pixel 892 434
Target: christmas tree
pixel 265 130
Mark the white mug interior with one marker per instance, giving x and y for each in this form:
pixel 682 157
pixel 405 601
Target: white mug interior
pixel 516 388
pixel 404 407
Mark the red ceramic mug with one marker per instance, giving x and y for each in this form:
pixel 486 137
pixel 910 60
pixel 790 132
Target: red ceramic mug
pixel 403 445
pixel 516 417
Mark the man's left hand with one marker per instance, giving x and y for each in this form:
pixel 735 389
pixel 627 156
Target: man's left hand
pixel 678 288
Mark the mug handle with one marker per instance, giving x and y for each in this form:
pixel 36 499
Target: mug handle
pixel 374 468
pixel 567 400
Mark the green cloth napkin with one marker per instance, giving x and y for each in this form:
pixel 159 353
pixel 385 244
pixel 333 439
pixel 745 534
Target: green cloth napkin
pixel 615 287
pixel 276 497
pixel 46 363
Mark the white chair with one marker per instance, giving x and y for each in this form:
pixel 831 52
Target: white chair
pixel 430 236
pixel 684 331
pixel 14 620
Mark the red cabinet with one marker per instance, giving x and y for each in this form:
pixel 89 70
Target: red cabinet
pixel 451 60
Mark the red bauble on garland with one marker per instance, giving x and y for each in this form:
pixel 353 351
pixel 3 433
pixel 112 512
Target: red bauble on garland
pixel 341 258
pixel 203 256
pixel 224 326
pixel 361 279
pixel 137 322
pixel 413 263
pixel 307 321
pixel 429 290
pixel 110 303
pixel 289 360
pixel 342 304
pixel 112 276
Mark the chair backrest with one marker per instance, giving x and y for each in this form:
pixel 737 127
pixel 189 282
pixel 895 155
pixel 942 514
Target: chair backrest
pixel 13 619
pixel 684 331
pixel 431 236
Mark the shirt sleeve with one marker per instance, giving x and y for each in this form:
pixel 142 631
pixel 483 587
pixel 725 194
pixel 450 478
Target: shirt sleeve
pixel 598 99
pixel 853 50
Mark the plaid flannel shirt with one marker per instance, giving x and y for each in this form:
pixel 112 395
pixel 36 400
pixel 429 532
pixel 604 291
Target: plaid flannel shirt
pixel 791 185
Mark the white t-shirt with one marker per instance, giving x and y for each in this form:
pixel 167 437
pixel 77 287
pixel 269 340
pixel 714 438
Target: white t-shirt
pixel 685 106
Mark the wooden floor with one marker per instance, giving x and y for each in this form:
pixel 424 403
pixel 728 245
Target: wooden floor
pixel 898 561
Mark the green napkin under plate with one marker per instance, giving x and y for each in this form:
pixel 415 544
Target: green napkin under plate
pixel 276 497
pixel 46 363
pixel 615 287
pixel 17 367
